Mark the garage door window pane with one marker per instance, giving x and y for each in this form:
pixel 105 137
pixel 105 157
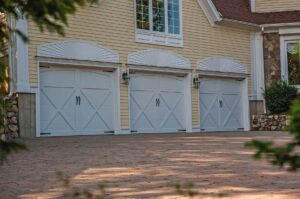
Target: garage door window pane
pixel 293 58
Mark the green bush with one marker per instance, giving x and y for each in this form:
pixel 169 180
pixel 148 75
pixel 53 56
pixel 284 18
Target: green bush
pixel 279 97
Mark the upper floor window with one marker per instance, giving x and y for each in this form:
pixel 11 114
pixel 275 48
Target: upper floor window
pixel 154 17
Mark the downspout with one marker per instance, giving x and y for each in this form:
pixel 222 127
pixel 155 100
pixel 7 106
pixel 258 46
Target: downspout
pixel 11 54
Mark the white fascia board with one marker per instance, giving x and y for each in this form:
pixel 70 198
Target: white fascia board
pixel 286 31
pixel 278 25
pixel 210 11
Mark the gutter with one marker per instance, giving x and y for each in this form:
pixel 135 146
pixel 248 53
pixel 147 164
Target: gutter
pixel 241 22
pixel 11 55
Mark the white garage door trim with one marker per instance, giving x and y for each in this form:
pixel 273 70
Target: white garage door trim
pixel 244 106
pixel 115 102
pixel 186 95
pixel 69 53
pixel 227 67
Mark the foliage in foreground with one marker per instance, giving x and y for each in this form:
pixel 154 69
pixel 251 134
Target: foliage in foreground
pixel 72 192
pixel 51 16
pixel 9 147
pixel 279 97
pixel 282 155
pixel 77 193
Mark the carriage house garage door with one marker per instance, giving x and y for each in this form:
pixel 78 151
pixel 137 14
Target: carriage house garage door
pixel 157 103
pixel 75 102
pixel 221 107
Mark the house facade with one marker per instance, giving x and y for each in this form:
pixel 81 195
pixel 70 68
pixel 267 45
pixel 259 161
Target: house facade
pixel 152 66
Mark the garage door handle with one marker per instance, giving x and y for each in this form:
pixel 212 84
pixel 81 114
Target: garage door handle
pixel 221 103
pixel 77 100
pixel 156 102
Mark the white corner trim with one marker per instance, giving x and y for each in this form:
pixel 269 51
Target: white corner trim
pixel 221 64
pixel 253 5
pixel 159 58
pixel 210 11
pixel 246 108
pixel 284 31
pixel 257 60
pixel 283 55
pixel 22 65
pixel 78 50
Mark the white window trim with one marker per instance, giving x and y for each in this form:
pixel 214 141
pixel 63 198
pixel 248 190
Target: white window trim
pixel 284 40
pixel 159 38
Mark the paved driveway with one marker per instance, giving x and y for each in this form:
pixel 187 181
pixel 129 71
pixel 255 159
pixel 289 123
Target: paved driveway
pixel 143 166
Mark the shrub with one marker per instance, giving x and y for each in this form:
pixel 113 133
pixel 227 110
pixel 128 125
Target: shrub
pixel 279 97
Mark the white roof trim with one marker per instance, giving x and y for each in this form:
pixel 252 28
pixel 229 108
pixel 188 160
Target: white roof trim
pixel 222 65
pixel 77 50
pixel 210 11
pixel 159 58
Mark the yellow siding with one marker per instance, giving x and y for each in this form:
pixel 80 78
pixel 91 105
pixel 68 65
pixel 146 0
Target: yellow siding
pixel 276 5
pixel 112 25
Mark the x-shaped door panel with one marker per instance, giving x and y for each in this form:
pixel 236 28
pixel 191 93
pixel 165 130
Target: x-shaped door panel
pixel 58 111
pixel 143 113
pixel 171 111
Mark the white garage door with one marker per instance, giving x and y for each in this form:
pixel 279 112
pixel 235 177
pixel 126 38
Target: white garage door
pixel 157 103
pixel 75 102
pixel 221 105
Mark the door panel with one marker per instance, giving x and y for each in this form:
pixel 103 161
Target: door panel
pixel 220 105
pixel 231 112
pixel 75 102
pixel 171 116
pixel 58 104
pixel 96 102
pixel 209 105
pixel 157 103
pixel 143 103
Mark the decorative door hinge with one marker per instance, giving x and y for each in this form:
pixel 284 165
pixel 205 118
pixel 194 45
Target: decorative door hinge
pixel 109 132
pixel 45 133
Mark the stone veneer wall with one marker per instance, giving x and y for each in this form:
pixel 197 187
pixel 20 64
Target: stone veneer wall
pixel 272 58
pixel 269 122
pixel 11 119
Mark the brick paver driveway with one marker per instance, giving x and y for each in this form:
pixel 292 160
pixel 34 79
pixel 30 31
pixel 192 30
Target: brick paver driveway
pixel 143 166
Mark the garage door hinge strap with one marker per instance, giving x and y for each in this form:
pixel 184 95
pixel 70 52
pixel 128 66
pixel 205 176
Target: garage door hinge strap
pixel 45 133
pixel 109 131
